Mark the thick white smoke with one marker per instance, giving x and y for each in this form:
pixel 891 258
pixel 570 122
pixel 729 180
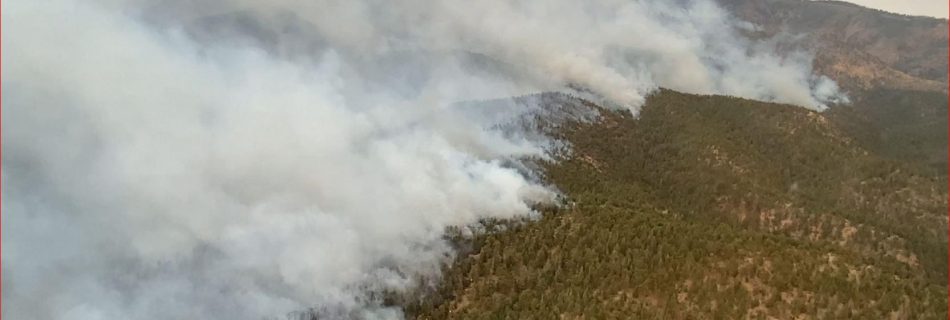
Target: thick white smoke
pixel 246 159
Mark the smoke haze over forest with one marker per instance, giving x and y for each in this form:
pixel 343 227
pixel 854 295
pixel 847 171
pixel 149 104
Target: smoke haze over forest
pixel 248 159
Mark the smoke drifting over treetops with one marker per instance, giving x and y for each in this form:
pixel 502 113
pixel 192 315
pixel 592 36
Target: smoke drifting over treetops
pixel 246 159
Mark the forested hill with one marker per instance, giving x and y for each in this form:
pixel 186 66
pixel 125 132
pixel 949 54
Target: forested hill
pixel 717 207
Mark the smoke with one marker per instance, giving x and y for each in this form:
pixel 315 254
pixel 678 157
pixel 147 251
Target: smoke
pixel 247 159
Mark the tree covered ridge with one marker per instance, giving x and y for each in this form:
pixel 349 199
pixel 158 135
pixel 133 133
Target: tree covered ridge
pixel 713 207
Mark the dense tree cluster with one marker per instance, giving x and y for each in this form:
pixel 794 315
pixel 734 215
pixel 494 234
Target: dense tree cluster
pixel 713 207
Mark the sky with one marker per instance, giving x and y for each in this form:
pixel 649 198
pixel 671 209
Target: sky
pixel 930 8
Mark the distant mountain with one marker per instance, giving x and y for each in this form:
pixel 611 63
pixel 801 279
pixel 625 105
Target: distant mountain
pixel 860 47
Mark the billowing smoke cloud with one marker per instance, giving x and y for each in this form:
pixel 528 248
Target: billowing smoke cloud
pixel 247 159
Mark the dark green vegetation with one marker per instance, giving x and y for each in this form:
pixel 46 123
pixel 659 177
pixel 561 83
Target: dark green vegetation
pixel 711 207
pixel 908 126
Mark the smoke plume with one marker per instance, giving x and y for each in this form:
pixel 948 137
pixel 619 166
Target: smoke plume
pixel 246 159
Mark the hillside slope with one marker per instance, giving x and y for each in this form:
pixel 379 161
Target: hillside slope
pixel 908 126
pixel 861 48
pixel 713 207
pixel 893 66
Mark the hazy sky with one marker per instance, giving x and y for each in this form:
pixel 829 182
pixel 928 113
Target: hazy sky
pixel 933 8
